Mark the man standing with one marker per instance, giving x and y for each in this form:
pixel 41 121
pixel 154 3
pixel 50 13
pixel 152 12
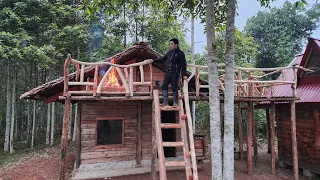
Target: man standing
pixel 175 63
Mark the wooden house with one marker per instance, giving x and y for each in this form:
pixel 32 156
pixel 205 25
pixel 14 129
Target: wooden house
pixel 115 125
pixel 307 111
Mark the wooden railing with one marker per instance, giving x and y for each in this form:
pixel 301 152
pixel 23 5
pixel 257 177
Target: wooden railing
pixel 127 79
pixel 247 82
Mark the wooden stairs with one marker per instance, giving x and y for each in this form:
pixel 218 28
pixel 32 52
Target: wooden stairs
pixel 189 163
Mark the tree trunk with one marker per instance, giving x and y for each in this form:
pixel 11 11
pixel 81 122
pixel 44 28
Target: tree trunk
pixel 228 142
pixel 193 62
pixel 70 125
pixel 125 27
pixel 8 113
pixel 33 124
pixel 75 123
pixel 13 111
pixel 53 118
pixel 214 101
pixel 29 121
pixel 48 125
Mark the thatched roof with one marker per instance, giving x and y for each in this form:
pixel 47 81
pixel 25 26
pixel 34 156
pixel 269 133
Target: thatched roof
pixel 140 50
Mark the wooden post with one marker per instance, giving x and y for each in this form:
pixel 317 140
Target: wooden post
pixel 294 141
pixel 197 77
pixel 66 75
pixel 64 137
pixel 82 73
pixel 273 148
pixel 240 131
pixel 154 147
pixel 131 81
pixel 249 137
pixel 141 73
pixel 268 130
pixel 157 115
pixel 254 136
pixel 151 79
pixel 78 135
pixel 139 124
pixel 95 80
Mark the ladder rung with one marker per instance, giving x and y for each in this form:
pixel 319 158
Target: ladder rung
pixel 172 144
pixel 170 125
pixel 175 163
pixel 169 108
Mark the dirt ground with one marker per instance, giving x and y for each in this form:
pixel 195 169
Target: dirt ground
pixel 47 167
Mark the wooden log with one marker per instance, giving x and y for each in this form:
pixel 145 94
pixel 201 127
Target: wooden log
pixel 240 131
pixel 170 125
pixel 268 130
pixel 294 141
pixel 142 83
pixel 111 64
pixel 77 72
pixel 151 79
pixel 184 137
pixel 254 81
pixel 172 144
pixel 141 73
pixel 154 146
pixel 126 73
pixel 203 86
pixel 85 98
pixel 131 81
pixel 95 81
pixel 268 74
pixel 78 136
pixel 104 78
pixel 191 140
pixel 191 76
pixel 139 134
pixel 197 78
pixel 64 137
pixel 124 81
pixel 66 75
pixel 82 73
pixel 294 86
pixel 175 163
pixel 249 138
pixel 81 83
pixel 272 136
pixel 162 168
pixel 197 66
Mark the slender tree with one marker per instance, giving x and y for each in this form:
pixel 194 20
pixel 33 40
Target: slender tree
pixel 215 121
pixel 228 142
pixel 13 107
pixel 53 118
pixel 29 120
pixel 193 62
pixel 48 125
pixel 8 112
pixel 33 124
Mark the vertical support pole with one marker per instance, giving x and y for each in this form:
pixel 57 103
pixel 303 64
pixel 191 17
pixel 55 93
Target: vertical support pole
pixel 66 75
pixel 131 81
pixel 249 137
pixel 78 135
pixel 197 81
pixel 64 137
pixel 151 79
pixel 273 148
pixel 95 81
pixel 82 73
pixel 154 146
pixel 268 130
pixel 240 131
pixel 254 136
pixel 193 104
pixel 294 141
pixel 141 73
pixel 139 124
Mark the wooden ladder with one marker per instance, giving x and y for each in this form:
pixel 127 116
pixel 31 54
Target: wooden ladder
pixel 190 165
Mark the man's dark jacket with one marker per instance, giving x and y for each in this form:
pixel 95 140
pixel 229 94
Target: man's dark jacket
pixel 175 61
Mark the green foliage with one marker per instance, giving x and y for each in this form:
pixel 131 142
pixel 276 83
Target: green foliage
pixel 280 32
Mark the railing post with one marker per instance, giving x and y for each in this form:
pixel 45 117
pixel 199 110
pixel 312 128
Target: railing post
pixel 82 73
pixel 66 75
pixel 131 81
pixel 151 79
pixel 197 81
pixel 95 81
pixel 294 86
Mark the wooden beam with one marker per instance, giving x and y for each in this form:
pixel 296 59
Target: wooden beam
pixel 249 137
pixel 64 137
pixel 162 168
pixel 131 81
pixel 273 148
pixel 86 98
pixel 151 79
pixel 95 81
pixel 154 147
pixel 66 75
pixel 78 135
pixel 82 73
pixel 141 73
pixel 240 131
pixel 139 134
pixel 294 141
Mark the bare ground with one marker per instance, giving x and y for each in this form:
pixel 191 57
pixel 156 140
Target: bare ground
pixel 45 165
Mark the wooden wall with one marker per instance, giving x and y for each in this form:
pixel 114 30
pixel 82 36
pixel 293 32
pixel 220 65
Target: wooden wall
pixel 308 153
pixel 127 110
